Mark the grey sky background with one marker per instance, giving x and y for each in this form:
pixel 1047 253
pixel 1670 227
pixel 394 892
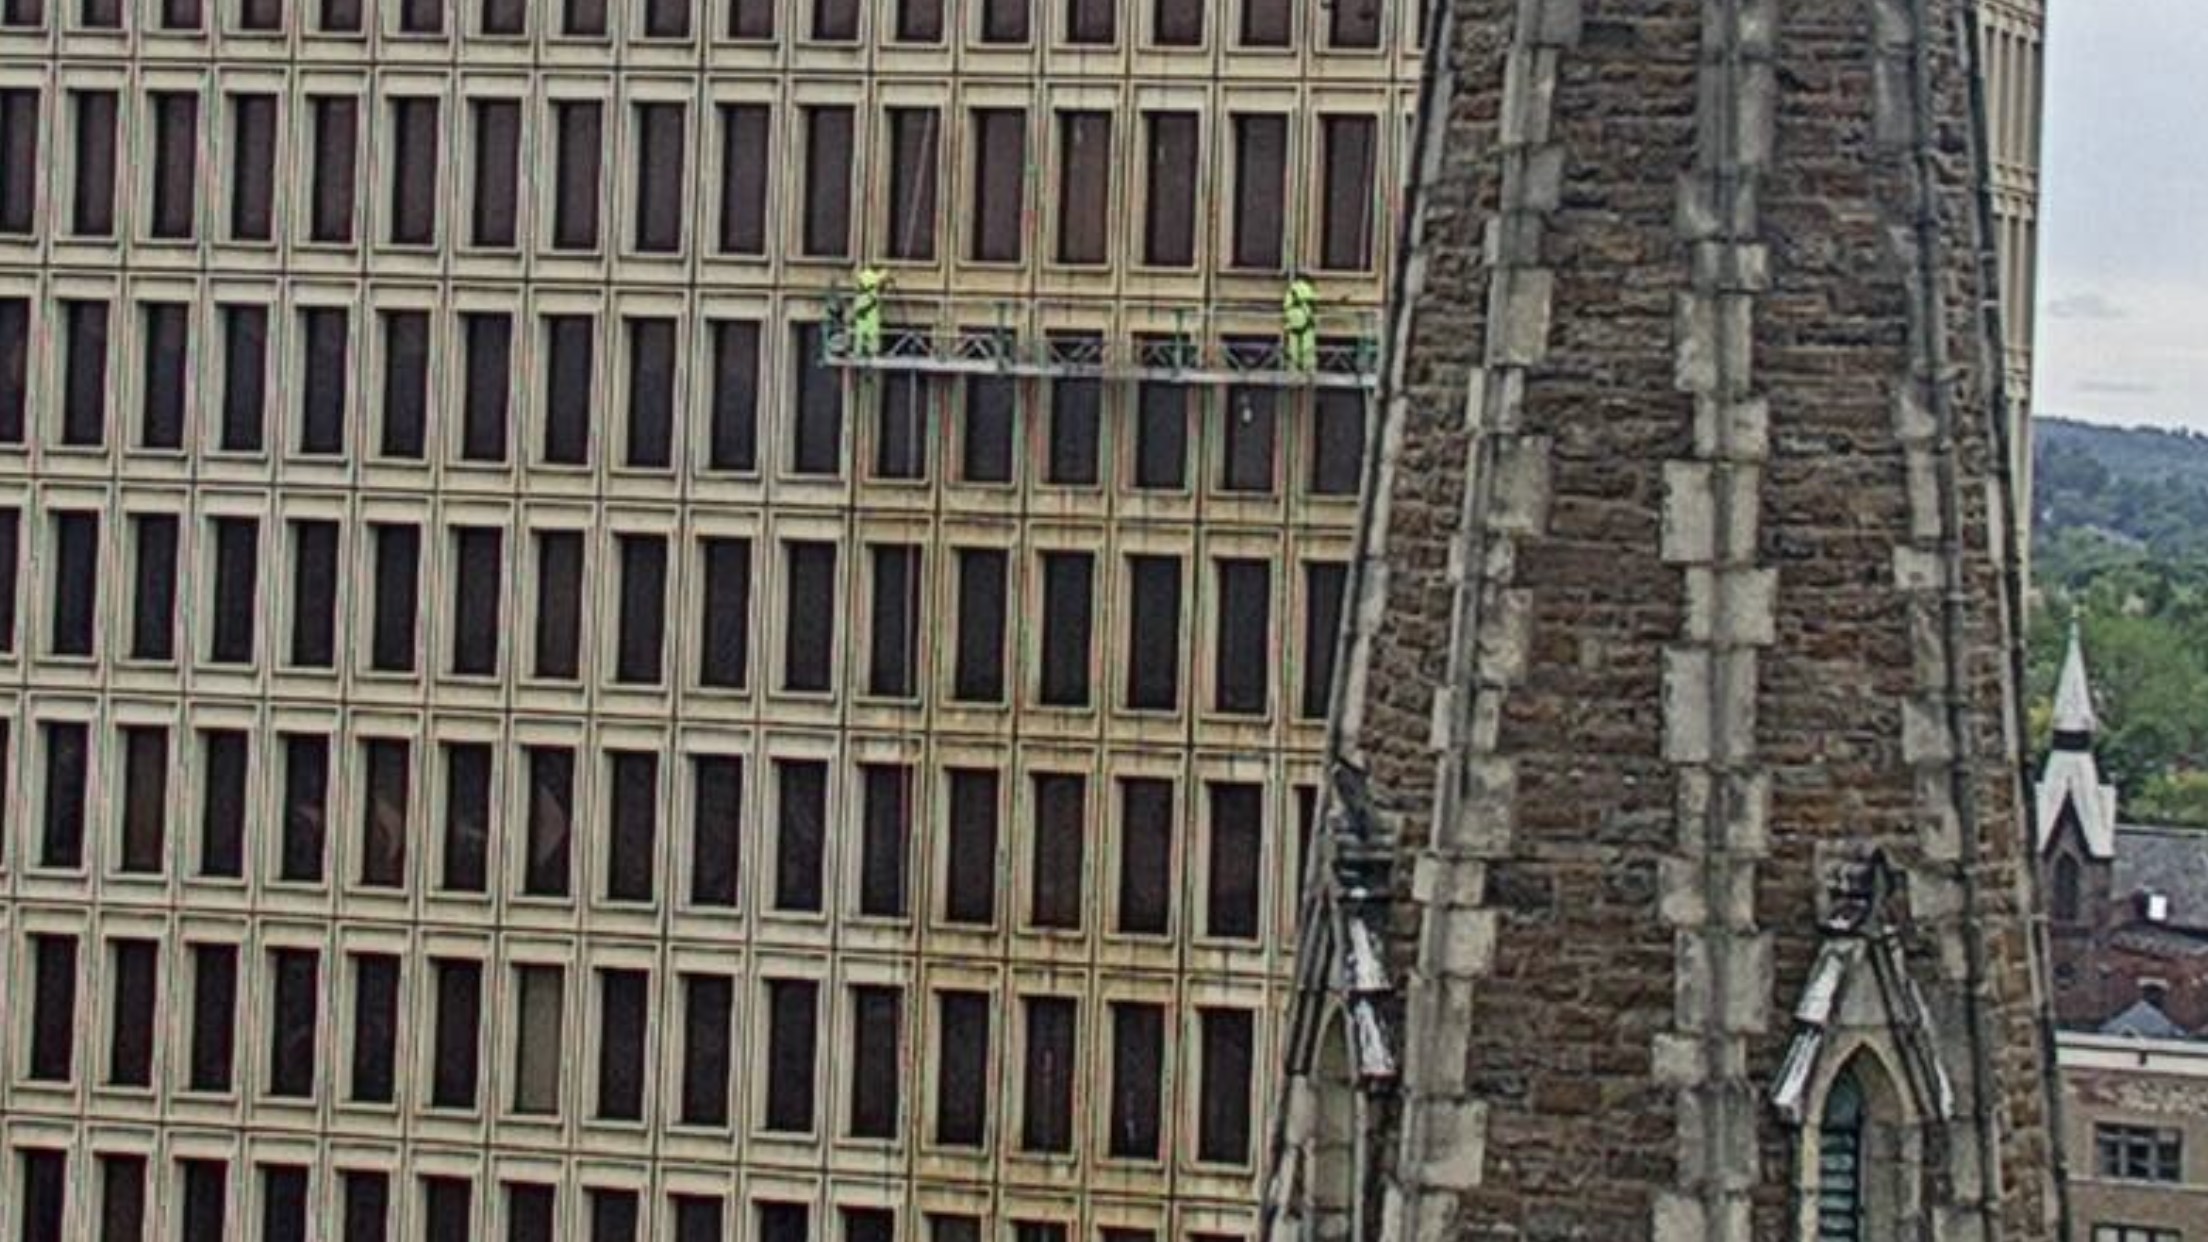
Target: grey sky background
pixel 2123 287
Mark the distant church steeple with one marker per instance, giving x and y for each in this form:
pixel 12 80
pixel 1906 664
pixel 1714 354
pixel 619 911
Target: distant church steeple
pixel 2070 784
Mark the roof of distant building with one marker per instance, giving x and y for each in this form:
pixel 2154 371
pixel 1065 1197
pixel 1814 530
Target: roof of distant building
pixel 2171 863
pixel 2144 1020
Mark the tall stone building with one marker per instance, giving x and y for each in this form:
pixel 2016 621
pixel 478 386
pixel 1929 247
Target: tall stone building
pixel 514 732
pixel 1682 877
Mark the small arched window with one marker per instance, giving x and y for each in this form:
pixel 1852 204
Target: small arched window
pixel 2067 882
pixel 1840 1157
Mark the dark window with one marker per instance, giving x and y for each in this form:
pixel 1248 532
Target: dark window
pixel 478 629
pixel 45 1194
pixel 801 826
pixel 716 842
pixel 1076 415
pixel 919 21
pixel 76 582
pixel 1356 23
pixel 336 160
pixel 253 167
pixel 1177 23
pixel 835 21
pixel 877 1065
pixel 61 837
pixel 1337 442
pixel 1251 434
pixel 92 204
pixel 459 1018
pixel 23 13
pixel 1169 210
pixel 660 148
pixel 322 405
pixel 1004 21
pixel 1060 860
pixel 886 831
pixel 902 416
pixel 725 643
pixel 448 1209
pixel 206 1199
pixel 1237 847
pixel 642 639
pixel 237 590
pixel 559 604
pixel 467 817
pixel 398 550
pixel 819 436
pixel 570 346
pixel 580 127
pixel 1322 620
pixel 869 1224
pixel 168 341
pixel 827 182
pixel 1145 855
pixel 415 160
pixel 1266 23
pixel 15 367
pixel 19 175
pixel 505 17
pixel 750 20
pixel 1138 1054
pixel 314 577
pixel 2139 1153
pixel 622 1002
pixel 497 172
pixel 540 1011
pixel 294 1017
pixel 214 1017
pixel 953 1227
pixel 406 382
pixel 53 1007
pixel 584 18
pixel 667 19
pixel 489 390
pixel 979 675
pixel 383 828
pixel 1084 187
pixel 651 393
pixel 425 17
pixel 11 565
pixel 707 1001
pixel 244 377
pixel 894 634
pixel 990 408
pixel 631 853
pixel 970 880
pixel 809 628
pixel 175 163
pixel 97 15
pixel 962 1068
pixel 1223 1106
pixel 913 137
pixel 1161 436
pixel 1091 21
pixel 225 758
pixel 745 147
pixel 1243 651
pixel 1260 187
pixel 530 1209
pixel 1068 613
pixel 697 1217
pixel 545 871
pixel 734 436
pixel 1000 180
pixel 375 1027
pixel 153 589
pixel 784 1222
pixel 122 1198
pixel 145 798
pixel 306 807
pixel 791 1038
pixel 84 388
pixel 1154 638
pixel 1046 1089
pixel 1345 216
pixel 366 1207
pixel 131 1019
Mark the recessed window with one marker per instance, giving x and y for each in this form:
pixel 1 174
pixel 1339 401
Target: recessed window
pixel 1250 439
pixel 1145 856
pixel 962 1068
pixel 92 200
pixel 15 367
pixel 294 1018
pixel 237 590
pixel 145 799
pixel 322 396
pixel 387 764
pixel 570 346
pixel 970 880
pixel 314 578
pixel 1068 617
pixel 919 21
pixel 466 861
pixel 750 20
pixel 733 439
pixel 375 1027
pixel 808 638
pixel 75 584
pixel 364 1205
pixel 818 441
pixel 1177 23
pixel 1058 865
pixel 306 807
pixel 175 163
pixel 1323 585
pixel 84 326
pixel 827 206
pixel 652 350
pixel 800 838
pixel 697 1217
pixel 397 604
pixel 1169 204
pixel 206 1197
pixel 1242 655
pixel 1355 23
pixel 283 1203
pixel 583 19
pixel 53 1004
pixel 578 129
pixel 913 138
pixel 666 19
pixel 1154 637
pixel 168 340
pixel 1046 1085
pixel 540 1002
pixel 885 834
pixel 707 1005
pixel 1223 1086
pixel 19 178
pixel 1346 177
pixel 717 832
pixel 153 584
pixel 546 870
pixel 1266 23
pixel 631 852
pixel 792 1035
pixel 505 17
pixel 1091 22
pixel 336 163
pixel 660 152
pixel 642 638
pixel 1004 21
pixel 1260 186
pixel 212 1057
pixel 1161 436
pixel 558 642
pixel 478 626
pixel 745 168
pixel 448 1208
pixel 122 1179
pixel 455 1040
pixel 495 202
pixel 623 999
pixel 252 182
pixel 894 620
pixel 134 984
pixel 1084 187
pixel 225 759
pixel 68 759
pixel 244 378
pixel 1237 823
pixel 725 635
pixel 997 218
pixel 835 21
pixel 415 160
pixel 1337 442
pixel 422 17
pixel 530 1210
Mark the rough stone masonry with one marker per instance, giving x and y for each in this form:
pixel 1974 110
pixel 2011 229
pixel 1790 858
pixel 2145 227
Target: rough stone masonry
pixel 1687 603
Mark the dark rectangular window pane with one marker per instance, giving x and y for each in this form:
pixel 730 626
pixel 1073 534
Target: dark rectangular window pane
pixel 667 19
pixel 1169 212
pixel 1223 1107
pixel 214 1017
pixel 448 1209
pixel 530 1209
pixel 1266 23
pixel 206 1199
pixel 505 17
pixel 53 1000
pixel 314 594
pixel 92 201
pixel 801 828
pixel 1091 21
pixel 336 163
pixel 894 622
pixel 546 869
pixel 1356 23
pixel 175 163
pixel 1084 187
pixel 999 180
pixel 122 1195
pixel 810 630
pixel 970 881
pixel 913 139
pixel 877 1067
pixel 15 367
pixel 919 21
pixel 1251 436
pixel 697 1217
pixel 791 1053
pixel 559 603
pixel 237 601
pixel 707 1001
pixel 389 764
pixel 622 1002
pixel 1145 855
pixel 478 629
pixel 1345 220
pixel 902 415
pixel 459 1017
pixel 579 127
pixel 1177 23
pixel 1338 443
pixel 406 383
pixel 467 817
pixel 1324 582
pixel 422 16
pixel 1138 1053
pixel 651 393
pixel 1161 436
pixel 585 18
pixel 19 174
pixel 153 591
pixel 322 405
pixel 1237 846
pixel 306 807
pixel 1004 21
pixel 885 835
pixel 717 834
pixel 1046 1090
pixel 642 638
pixel 222 802
pixel 398 552
pixel 745 149
pixel 375 1034
pixel 244 377
pixel 1154 637
pixel 827 181
pixel 131 1018
pixel 1059 862
pixel 11 568
pixel 1068 611
pixel 168 341
pixel 962 1068
pixel 1242 655
pixel 84 384
pixel 295 1016
pixel 751 19
pixel 570 343
pixel 486 405
pixel 145 798
pixel 725 640
pixel 1260 188
pixel 631 858
pixel 68 756
pixel 253 167
pixel 660 150
pixel 75 583
pixel 366 1208
pixel 987 439
pixel 497 172
pixel 539 1060
pixel 734 441
pixel 819 437
pixel 44 1194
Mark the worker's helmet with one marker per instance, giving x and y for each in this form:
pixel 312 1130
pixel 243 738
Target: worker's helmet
pixel 872 278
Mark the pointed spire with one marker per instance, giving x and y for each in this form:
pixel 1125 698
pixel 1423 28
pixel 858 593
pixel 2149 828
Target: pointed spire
pixel 2074 716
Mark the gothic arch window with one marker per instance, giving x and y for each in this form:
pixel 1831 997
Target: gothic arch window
pixel 2067 882
pixel 1841 1149
pixel 1863 1157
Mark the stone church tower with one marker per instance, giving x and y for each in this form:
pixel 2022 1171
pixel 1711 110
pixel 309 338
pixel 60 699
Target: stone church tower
pixel 1680 884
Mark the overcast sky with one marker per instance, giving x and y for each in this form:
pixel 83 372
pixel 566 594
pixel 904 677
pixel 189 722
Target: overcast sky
pixel 2123 289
